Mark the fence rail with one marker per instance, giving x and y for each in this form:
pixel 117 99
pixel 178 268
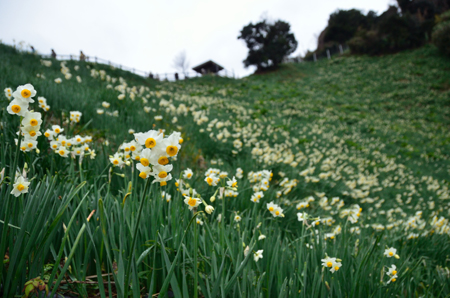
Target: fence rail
pixel 145 74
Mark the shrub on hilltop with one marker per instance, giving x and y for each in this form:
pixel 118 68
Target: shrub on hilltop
pixel 268 43
pixel 441 34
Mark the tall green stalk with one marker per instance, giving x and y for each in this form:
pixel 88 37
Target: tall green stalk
pixel 133 243
pixel 12 175
pixel 195 257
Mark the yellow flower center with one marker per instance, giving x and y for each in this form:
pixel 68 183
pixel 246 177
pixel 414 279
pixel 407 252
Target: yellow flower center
pixel 127 149
pixel 181 141
pixel 63 143
pixel 336 268
pixel 30 145
pixel 57 130
pixel 189 175
pixel 270 209
pixel 162 175
pixel 329 264
pixel 78 152
pixel 209 180
pixel 391 253
pixel 394 272
pixel 145 162
pixel 25 93
pixel 61 152
pixel 69 144
pixel 33 122
pixel 277 212
pixel 32 133
pixel 172 150
pixel 20 187
pixel 317 223
pixel 234 184
pixel 16 108
pixel 163 160
pixel 116 162
pixel 143 175
pixel 78 140
pixel 192 202
pixel 127 156
pixel 23 148
pixel 394 279
pixel 132 148
pixel 137 157
pixel 150 143
pixel 162 183
pixel 54 146
pixel 47 134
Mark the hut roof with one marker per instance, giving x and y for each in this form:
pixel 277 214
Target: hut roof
pixel 209 67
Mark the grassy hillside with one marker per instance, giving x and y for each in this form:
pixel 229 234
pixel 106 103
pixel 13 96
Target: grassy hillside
pixel 358 151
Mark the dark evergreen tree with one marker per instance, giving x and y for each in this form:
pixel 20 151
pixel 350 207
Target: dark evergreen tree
pixel 268 43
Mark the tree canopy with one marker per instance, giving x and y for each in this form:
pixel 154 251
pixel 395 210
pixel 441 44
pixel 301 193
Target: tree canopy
pixel 268 43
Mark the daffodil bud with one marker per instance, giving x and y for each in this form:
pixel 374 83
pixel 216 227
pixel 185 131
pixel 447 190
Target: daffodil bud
pixel 209 209
pixel 397 256
pixel 246 250
pixel 212 199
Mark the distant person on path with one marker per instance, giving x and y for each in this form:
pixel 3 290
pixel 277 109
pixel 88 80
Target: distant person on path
pixel 32 50
pixel 176 76
pixel 150 75
pixel 53 54
pixel 82 56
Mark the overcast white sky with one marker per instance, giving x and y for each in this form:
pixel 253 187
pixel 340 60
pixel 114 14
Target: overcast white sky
pixel 147 35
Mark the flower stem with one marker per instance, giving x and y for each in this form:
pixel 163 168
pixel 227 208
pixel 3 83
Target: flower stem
pixel 195 259
pixel 133 244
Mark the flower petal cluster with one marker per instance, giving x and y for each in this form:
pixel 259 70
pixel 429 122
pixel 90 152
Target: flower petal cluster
pixel 332 263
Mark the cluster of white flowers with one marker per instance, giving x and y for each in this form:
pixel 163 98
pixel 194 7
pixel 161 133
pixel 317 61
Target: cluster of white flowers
pixel 275 210
pixel 333 263
pixel 75 116
pixel 153 152
pixel 31 121
pixel 62 145
pixel 8 93
pixel 43 103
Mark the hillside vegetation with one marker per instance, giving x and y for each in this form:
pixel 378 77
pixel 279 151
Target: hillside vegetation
pixel 319 179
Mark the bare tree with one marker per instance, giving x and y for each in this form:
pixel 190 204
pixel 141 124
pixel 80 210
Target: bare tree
pixel 181 63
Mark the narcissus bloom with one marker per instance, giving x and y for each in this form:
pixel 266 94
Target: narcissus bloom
pixel 25 93
pixel 232 182
pixel 8 93
pixel 149 139
pixel 32 119
pixel 258 255
pixel 17 107
pixel 212 180
pixel 62 151
pixel 20 186
pixel 332 263
pixel 171 144
pixel 187 174
pixel 192 202
pixel 390 252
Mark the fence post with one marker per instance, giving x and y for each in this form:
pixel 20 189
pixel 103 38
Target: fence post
pixel 315 57
pixel 341 49
pixel 328 54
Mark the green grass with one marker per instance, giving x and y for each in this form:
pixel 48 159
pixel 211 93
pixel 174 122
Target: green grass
pixel 373 132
